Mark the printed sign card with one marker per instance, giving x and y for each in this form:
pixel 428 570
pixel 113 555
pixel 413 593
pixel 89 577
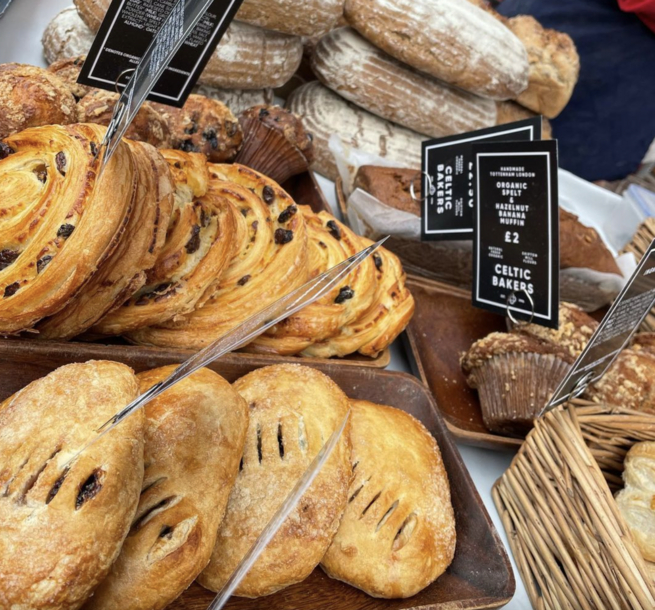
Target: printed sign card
pixel 448 178
pixel 127 31
pixel 516 233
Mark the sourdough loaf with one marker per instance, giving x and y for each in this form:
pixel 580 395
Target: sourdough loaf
pixel 554 66
pixel 508 112
pixel 306 18
pixel 449 39
pixel 357 70
pixel 324 113
pixel 66 36
pixel 237 100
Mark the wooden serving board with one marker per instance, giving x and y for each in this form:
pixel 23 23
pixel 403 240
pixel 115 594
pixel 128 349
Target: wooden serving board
pixel 480 575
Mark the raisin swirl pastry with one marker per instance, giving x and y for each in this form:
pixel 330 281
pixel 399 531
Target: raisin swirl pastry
pixel 63 526
pixel 270 260
pixel 329 243
pixel 124 271
pixel 392 309
pixel 58 222
pixel 199 244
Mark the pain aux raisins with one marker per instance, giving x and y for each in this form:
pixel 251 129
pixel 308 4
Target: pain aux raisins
pixel 287 215
pixel 244 280
pixel 193 245
pixel 268 195
pixel 42 263
pixel 345 294
pixel 7 257
pixel 65 231
pixel 5 150
pixel 11 289
pixel 334 229
pixel 60 161
pixel 377 259
pixel 282 236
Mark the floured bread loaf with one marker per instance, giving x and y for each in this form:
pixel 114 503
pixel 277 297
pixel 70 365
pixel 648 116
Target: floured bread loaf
pixel 398 532
pixel 357 70
pixel 325 113
pixel 452 40
pixel 194 434
pixel 293 411
pixel 554 66
pixel 305 18
pixel 66 36
pixel 237 100
pixel 63 527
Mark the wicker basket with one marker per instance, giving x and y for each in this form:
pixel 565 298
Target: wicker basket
pixel 570 543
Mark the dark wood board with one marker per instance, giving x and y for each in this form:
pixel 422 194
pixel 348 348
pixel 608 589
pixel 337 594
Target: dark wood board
pixel 480 575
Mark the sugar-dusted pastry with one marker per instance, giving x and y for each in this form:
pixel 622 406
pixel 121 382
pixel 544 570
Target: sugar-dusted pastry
pixel 148 125
pixel 68 70
pixel 378 327
pixel 32 97
pixel 63 527
pixel 199 243
pixel 293 411
pixel 66 36
pixel 329 243
pixel 58 222
pixel 203 125
pixel 124 271
pixel 270 261
pixel 635 500
pixel 397 534
pixel 275 143
pixel 194 438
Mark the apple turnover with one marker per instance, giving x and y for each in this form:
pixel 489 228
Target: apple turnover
pixel 293 411
pixel 63 527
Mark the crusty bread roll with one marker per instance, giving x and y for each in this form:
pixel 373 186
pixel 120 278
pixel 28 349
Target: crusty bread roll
pixel 452 40
pixel 325 113
pixel 293 411
pixel 398 532
pixel 305 18
pixel 554 66
pixel 509 111
pixel 63 525
pixel 635 501
pixel 32 97
pixel 249 57
pixel 357 70
pixel 66 36
pixel 195 433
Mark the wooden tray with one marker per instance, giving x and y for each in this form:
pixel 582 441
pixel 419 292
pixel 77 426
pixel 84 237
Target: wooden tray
pixel 445 324
pixel 480 575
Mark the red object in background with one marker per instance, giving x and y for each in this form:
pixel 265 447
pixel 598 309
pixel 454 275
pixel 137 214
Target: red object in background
pixel 644 9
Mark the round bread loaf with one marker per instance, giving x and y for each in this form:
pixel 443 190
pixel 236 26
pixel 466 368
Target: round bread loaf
pixel 237 100
pixel 452 40
pixel 66 36
pixel 325 113
pixel 305 18
pixel 357 70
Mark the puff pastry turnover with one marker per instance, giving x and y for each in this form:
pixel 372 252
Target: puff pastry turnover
pixel 62 528
pixel 293 411
pixel 270 261
pixel 329 243
pixel 397 534
pixel 195 434
pixel 58 222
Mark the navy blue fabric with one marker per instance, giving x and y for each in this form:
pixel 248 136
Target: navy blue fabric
pixel 609 124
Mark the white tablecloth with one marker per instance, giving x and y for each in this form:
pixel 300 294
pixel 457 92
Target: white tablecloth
pixel 20 41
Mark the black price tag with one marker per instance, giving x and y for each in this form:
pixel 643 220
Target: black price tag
pixel 448 180
pixel 614 333
pixel 128 29
pixel 516 239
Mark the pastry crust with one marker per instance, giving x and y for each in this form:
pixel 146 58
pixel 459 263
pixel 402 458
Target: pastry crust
pixel 32 97
pixel 62 528
pixel 199 244
pixel 329 243
pixel 68 70
pixel 195 433
pixel 203 125
pixel 293 412
pixel 124 271
pixel 148 125
pixel 391 311
pixel 270 261
pixel 397 534
pixel 59 222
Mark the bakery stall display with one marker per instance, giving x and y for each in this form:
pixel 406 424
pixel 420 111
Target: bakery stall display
pixel 219 460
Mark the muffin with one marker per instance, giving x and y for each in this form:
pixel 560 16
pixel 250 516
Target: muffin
pixel 515 376
pixel 203 125
pixel 275 143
